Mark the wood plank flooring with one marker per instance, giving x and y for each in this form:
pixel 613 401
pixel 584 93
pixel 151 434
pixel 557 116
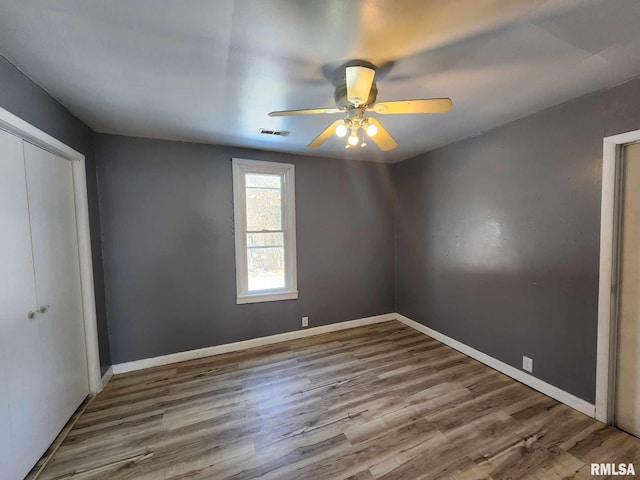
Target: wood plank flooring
pixel 376 402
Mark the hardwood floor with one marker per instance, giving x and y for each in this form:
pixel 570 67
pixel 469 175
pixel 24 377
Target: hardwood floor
pixel 376 402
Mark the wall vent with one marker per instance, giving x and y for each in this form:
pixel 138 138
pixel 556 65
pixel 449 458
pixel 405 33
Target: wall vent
pixel 280 133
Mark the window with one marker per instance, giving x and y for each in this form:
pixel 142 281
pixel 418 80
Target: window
pixel 265 231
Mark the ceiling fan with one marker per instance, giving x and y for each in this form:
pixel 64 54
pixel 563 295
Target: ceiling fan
pixel 355 98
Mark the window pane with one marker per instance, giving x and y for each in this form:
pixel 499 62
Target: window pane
pixel 265 258
pixel 264 210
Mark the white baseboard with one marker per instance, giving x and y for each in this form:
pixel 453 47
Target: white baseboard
pixel 523 377
pixel 533 382
pixel 255 342
pixel 107 376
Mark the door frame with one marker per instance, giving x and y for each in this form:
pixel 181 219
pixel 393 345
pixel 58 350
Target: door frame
pixel 15 125
pixel 608 281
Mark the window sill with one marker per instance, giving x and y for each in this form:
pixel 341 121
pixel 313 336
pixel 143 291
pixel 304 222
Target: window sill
pixel 266 297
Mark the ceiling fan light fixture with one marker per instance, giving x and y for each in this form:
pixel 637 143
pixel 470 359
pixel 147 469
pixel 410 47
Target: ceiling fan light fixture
pixel 341 130
pixel 371 130
pixel 353 140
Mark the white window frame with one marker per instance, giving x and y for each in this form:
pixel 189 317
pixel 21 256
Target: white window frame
pixel 242 167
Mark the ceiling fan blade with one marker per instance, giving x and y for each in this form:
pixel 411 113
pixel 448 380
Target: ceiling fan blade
pixel 427 105
pixel 325 135
pixel 359 81
pixel 383 139
pixel 310 111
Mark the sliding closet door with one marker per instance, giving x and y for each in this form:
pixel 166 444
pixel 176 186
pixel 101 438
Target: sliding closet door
pixel 19 335
pixel 57 273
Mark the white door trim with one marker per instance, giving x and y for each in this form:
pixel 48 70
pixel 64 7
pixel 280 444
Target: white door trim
pixel 31 134
pixel 607 283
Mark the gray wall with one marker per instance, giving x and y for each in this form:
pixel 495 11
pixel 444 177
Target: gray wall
pixel 498 237
pixel 169 251
pixel 25 99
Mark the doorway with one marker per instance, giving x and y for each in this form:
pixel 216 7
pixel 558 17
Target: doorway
pixel 618 367
pixel 627 361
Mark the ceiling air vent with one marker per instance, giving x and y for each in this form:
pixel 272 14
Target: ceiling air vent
pixel 279 133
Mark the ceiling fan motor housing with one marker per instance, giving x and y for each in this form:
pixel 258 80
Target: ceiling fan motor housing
pixel 340 95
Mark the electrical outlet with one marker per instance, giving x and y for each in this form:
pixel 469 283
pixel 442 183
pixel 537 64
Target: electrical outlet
pixel 527 364
pixel 305 321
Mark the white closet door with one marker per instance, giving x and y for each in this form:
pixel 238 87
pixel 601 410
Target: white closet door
pixel 6 461
pixel 57 272
pixel 19 335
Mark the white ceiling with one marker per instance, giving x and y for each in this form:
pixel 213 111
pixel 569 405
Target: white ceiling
pixel 210 71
